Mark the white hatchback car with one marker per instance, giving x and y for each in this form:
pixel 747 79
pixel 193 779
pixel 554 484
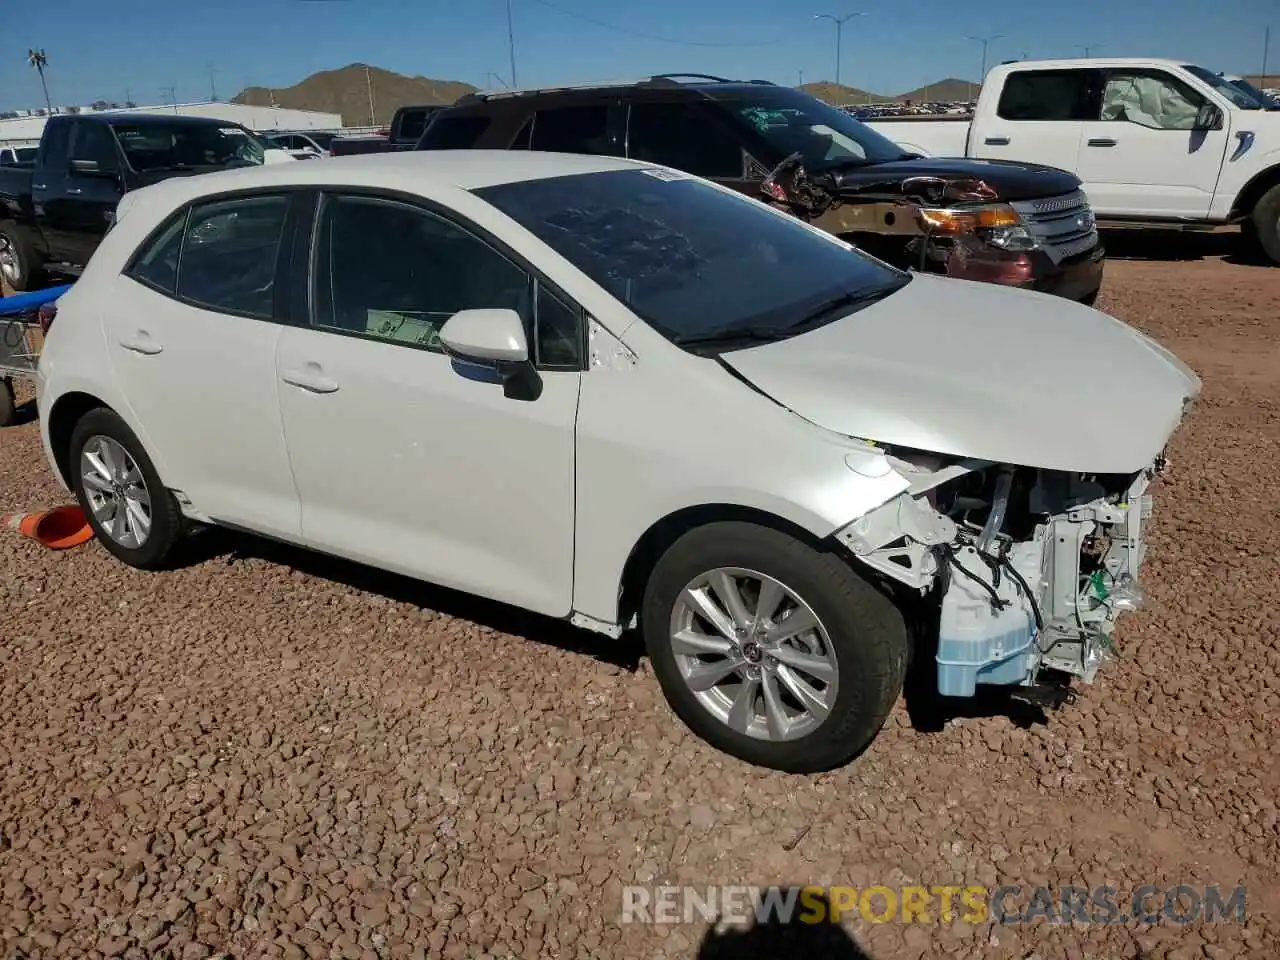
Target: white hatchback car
pixel 613 393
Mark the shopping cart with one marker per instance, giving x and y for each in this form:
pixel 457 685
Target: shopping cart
pixel 24 318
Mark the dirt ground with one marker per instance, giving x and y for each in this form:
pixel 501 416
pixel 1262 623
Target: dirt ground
pixel 266 753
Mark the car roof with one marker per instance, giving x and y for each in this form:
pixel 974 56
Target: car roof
pixel 408 171
pixel 159 119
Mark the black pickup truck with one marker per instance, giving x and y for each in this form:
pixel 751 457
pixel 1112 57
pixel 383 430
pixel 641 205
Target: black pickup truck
pixel 53 213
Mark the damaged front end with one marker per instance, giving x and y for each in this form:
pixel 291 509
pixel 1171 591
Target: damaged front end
pixel 954 224
pixel 1029 569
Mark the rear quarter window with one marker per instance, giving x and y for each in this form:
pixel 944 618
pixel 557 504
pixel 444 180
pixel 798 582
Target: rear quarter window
pixel 453 133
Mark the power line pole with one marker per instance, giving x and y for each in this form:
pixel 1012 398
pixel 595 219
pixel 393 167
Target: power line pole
pixel 368 82
pixel 511 44
pixel 1089 48
pixel 1266 48
pixel 213 89
pixel 839 22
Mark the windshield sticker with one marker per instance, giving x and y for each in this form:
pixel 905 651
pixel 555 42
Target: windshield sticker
pixel 667 175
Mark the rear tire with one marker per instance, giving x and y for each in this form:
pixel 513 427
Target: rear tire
pixel 8 406
pixel 860 643
pixel 1262 230
pixel 114 478
pixel 20 265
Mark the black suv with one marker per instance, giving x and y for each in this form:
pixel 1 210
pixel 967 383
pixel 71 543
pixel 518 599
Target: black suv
pixel 1002 222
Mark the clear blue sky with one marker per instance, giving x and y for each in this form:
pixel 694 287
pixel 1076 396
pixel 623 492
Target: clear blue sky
pixel 103 48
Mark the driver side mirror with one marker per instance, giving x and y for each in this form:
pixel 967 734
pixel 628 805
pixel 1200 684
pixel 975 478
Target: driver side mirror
pixel 1209 118
pixel 494 338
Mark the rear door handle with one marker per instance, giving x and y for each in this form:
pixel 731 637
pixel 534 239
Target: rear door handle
pixel 996 141
pixel 142 343
pixel 311 379
pixel 39 186
pixel 1101 142
pixel 74 191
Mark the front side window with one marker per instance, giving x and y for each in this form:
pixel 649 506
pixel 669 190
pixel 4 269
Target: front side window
pixel 574 130
pixel 229 255
pixel 391 271
pixel 186 146
pixel 1045 95
pixel 677 135
pixel 700 264
pixel 1150 99
pixel 794 122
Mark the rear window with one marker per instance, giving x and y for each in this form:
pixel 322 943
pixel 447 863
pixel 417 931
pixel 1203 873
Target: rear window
pixel 1047 95
pixel 690 258
pixel 453 133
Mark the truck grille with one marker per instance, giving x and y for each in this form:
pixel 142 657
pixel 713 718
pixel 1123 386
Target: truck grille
pixel 1063 225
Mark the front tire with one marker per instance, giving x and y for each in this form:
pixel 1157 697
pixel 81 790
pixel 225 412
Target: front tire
pixel 133 514
pixel 1262 230
pixel 770 650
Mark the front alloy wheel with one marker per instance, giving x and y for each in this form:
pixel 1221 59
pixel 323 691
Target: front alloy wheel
pixel 754 654
pixel 772 648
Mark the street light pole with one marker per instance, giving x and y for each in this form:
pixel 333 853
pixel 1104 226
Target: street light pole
pixel 839 22
pixel 511 44
pixel 1089 48
pixel 984 41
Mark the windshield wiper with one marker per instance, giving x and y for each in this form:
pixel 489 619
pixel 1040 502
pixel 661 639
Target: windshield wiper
pixel 844 302
pixel 729 335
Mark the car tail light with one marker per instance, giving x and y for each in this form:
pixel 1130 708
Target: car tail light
pixel 46 314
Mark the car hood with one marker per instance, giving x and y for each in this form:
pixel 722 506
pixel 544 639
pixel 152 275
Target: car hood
pixel 1008 180
pixel 973 370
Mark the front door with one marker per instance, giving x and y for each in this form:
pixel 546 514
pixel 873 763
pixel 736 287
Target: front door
pixel 404 458
pixel 195 318
pixel 1142 154
pixel 90 198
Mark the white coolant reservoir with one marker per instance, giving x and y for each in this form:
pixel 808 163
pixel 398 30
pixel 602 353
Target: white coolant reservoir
pixel 979 642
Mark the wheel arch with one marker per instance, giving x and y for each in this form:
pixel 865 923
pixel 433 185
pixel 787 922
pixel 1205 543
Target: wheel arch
pixel 1252 191
pixel 63 417
pixel 660 535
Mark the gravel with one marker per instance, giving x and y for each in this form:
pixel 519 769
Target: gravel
pixel 270 754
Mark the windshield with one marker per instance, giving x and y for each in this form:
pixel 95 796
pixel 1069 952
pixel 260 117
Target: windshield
pixel 1240 97
pixel 155 146
pixel 793 122
pixel 1268 102
pixel 696 262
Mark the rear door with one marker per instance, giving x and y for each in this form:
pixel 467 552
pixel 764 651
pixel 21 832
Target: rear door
pixel 191 327
pixel 1142 155
pixel 688 136
pixel 1038 118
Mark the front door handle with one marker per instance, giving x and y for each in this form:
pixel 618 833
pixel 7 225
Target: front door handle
pixel 39 186
pixel 74 191
pixel 996 141
pixel 311 379
pixel 142 343
pixel 1101 142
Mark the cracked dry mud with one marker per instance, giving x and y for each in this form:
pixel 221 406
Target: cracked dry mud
pixel 269 754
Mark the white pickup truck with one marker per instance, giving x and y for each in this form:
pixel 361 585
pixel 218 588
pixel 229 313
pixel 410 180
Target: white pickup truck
pixel 1155 142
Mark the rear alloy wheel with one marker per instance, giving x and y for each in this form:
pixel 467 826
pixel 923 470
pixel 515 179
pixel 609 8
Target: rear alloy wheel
pixel 134 516
pixel 770 649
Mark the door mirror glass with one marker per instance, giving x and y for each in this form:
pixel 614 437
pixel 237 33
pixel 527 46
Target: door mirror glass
pixel 486 335
pixel 1209 117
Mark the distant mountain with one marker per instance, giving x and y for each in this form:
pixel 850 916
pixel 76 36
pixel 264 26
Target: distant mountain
pixel 346 91
pixel 944 91
pixel 841 95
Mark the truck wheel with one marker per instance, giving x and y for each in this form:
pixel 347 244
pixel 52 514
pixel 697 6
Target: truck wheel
pixel 8 407
pixel 771 650
pixel 134 516
pixel 19 264
pixel 1263 226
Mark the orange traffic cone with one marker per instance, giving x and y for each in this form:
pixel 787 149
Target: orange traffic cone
pixel 58 529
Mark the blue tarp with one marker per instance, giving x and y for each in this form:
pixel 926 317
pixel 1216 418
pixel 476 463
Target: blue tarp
pixel 21 303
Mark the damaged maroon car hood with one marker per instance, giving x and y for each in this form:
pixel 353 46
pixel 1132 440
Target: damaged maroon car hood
pixel 1007 179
